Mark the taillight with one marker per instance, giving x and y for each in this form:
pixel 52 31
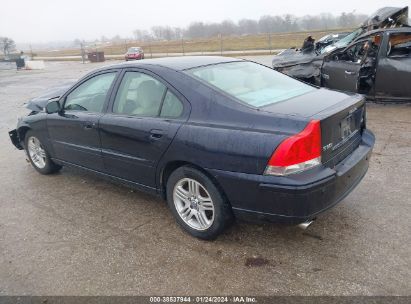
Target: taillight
pixel 298 152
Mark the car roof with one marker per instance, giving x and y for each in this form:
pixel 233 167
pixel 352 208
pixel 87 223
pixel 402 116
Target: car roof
pixel 177 63
pixel 404 29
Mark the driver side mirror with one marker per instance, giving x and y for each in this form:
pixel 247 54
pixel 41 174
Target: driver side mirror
pixel 53 107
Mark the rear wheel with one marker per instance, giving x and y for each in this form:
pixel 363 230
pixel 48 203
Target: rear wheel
pixel 197 204
pixel 38 156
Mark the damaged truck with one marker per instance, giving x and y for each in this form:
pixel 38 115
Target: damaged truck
pixel 373 60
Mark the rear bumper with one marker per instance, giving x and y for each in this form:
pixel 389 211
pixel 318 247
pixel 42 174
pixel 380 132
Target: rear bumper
pixel 298 197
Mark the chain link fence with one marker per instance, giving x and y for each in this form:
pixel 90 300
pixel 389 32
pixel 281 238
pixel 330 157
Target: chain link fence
pixel 229 45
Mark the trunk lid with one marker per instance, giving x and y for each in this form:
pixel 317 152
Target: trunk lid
pixel 341 132
pixel 342 118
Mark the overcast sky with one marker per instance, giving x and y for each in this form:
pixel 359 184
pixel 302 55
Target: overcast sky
pixel 51 20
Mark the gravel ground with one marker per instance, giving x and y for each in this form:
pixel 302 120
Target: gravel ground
pixel 75 234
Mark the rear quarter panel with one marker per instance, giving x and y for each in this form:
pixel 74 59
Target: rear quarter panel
pixel 223 134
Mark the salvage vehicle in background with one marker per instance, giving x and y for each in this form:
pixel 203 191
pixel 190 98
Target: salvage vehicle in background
pixel 377 64
pixel 219 138
pixel 306 66
pixel 134 53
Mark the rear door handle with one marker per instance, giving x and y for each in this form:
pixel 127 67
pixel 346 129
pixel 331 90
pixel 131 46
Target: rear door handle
pixel 89 125
pixel 349 72
pixel 156 134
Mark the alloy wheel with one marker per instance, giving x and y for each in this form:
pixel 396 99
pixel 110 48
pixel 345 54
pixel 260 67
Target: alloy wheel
pixel 193 204
pixel 36 152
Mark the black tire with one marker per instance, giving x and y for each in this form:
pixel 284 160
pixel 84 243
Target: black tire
pixel 49 167
pixel 223 215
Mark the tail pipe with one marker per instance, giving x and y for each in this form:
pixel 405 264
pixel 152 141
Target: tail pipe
pixel 306 224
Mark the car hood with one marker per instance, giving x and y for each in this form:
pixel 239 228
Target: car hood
pixel 293 57
pixel 39 103
pixel 386 16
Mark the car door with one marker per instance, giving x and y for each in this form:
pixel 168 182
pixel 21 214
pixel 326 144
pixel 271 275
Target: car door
pixel 341 71
pixel 73 131
pixel 141 122
pixel 394 68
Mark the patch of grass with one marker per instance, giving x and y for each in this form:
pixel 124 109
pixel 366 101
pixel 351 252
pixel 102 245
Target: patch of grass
pixel 215 44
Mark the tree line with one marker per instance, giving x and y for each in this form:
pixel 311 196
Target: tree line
pixel 264 25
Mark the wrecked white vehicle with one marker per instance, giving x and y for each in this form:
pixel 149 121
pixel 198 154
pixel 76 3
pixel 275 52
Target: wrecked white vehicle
pixel 306 66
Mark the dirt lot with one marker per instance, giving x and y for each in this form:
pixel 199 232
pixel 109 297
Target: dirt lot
pixel 75 234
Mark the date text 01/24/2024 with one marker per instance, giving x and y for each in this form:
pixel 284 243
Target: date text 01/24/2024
pixel 203 299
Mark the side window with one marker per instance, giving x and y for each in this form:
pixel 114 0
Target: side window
pixel 399 45
pixel 90 95
pixel 172 106
pixel 139 94
pixel 356 52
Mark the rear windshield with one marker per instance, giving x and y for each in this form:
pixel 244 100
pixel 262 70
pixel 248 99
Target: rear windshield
pixel 251 83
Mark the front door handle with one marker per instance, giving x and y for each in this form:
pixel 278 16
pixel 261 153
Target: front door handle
pixel 349 72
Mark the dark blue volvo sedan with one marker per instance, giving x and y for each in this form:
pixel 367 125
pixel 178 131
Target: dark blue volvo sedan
pixel 218 138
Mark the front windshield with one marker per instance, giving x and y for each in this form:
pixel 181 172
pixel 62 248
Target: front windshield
pixel 343 42
pixel 133 50
pixel 251 83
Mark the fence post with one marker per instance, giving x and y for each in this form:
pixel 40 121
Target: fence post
pixel 83 53
pixel 270 43
pixel 221 44
pixel 182 45
pixel 149 46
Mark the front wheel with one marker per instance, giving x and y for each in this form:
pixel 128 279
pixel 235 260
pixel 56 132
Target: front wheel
pixel 38 156
pixel 197 204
